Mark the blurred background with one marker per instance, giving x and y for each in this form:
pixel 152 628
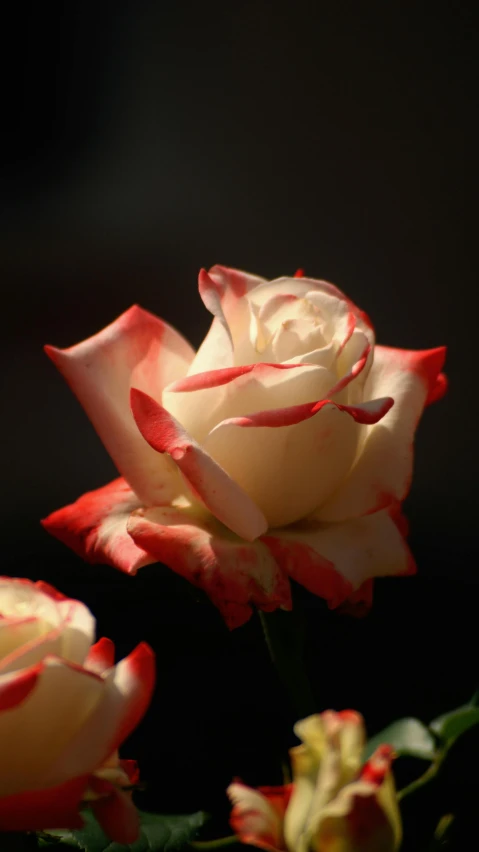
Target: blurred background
pixel 144 140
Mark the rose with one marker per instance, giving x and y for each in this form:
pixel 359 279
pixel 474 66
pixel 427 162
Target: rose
pixel 333 803
pixel 65 708
pixel 282 448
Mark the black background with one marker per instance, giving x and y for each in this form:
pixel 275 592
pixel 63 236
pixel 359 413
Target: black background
pixel 143 140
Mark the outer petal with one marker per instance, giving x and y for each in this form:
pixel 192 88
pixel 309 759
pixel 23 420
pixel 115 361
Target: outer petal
pixel 357 550
pixel 101 656
pixel 207 480
pixel 44 809
pixel 232 572
pixel 117 816
pixel 383 468
pixel 39 729
pixel 257 815
pixel 139 349
pixel 95 527
pixel 290 460
pixel 126 694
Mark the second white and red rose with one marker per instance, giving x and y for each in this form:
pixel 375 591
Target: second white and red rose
pixel 65 709
pixel 281 448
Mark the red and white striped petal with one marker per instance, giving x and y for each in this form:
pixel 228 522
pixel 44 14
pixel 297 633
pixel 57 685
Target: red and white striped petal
pixel 357 550
pixel 352 367
pixel 95 527
pixel 383 468
pixel 207 480
pixel 37 727
pixel 44 809
pixel 201 401
pixel 15 686
pixel 37 620
pixel 124 698
pixel 136 349
pixel 257 815
pixel 289 460
pixel 235 574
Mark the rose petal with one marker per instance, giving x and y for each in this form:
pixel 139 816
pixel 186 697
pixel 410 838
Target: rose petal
pixel 233 573
pixel 53 624
pixel 95 527
pixel 257 815
pixel 293 465
pixel 329 757
pixel 353 365
pixel 364 814
pixel 140 349
pixel 101 656
pixel 208 482
pixel 39 728
pixel 359 549
pixel 383 469
pixel 222 291
pixel 199 402
pixel 15 687
pixel 44 809
pixel 124 699
pixel 117 816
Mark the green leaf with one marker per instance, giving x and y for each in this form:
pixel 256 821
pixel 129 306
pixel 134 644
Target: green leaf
pixel 158 833
pixel 408 737
pixel 450 725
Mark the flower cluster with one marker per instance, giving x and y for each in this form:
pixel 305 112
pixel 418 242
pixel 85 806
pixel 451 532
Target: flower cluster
pixel 280 450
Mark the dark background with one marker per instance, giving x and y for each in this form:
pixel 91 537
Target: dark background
pixel 143 140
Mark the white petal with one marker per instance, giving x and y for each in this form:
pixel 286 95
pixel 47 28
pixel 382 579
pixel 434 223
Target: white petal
pixel 34 733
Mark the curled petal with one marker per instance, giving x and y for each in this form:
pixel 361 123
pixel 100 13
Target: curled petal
pixel 201 401
pixel 15 687
pixel 234 574
pixel 355 551
pixel 206 479
pixel 101 656
pixel 383 468
pixel 95 527
pixel 257 815
pixel 140 349
pixel 222 291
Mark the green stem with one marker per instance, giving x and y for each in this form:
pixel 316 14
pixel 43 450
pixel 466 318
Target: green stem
pixel 214 844
pixel 428 775
pixel 283 633
pixel 423 779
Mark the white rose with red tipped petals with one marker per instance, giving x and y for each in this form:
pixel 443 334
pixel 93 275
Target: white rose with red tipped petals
pixel 65 708
pixel 282 448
